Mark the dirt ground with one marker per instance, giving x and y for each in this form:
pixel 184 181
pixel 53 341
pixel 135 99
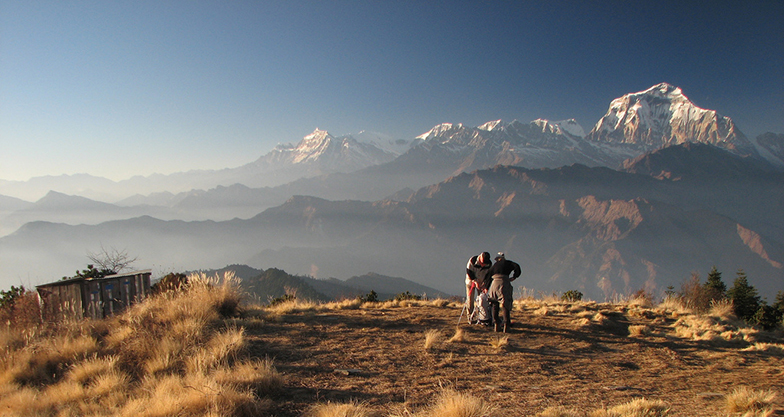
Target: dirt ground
pixel 376 356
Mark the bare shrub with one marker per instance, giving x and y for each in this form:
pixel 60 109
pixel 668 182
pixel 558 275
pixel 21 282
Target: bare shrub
pixel 171 282
pixel 694 295
pixel 22 311
pixel 112 259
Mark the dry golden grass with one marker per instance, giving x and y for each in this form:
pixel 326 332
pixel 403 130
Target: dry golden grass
pixel 169 355
pixel 722 310
pixel 711 328
pixel 339 410
pixel 639 330
pixel 559 412
pixel 348 304
pixel 581 322
pixel 256 374
pixel 459 336
pixel 746 400
pixel 439 302
pixel 639 407
pixel 200 353
pixel 772 348
pixel 432 337
pixel 91 368
pixel 643 302
pixel 499 342
pixel 451 403
pixel 544 311
pixel 673 307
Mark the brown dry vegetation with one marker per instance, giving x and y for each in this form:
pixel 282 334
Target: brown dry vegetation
pixel 199 353
pixel 176 354
pixel 581 359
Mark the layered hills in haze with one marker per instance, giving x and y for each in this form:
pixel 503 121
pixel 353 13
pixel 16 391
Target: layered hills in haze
pixel 657 189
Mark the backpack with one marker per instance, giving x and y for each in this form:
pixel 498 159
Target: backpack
pixel 482 306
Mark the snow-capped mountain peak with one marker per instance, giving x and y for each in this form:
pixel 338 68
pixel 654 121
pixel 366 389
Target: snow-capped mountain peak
pixel 312 146
pixel 320 152
pixel 317 135
pixel 384 142
pixel 665 90
pixel 571 127
pixel 439 130
pixel 661 116
pixel 490 126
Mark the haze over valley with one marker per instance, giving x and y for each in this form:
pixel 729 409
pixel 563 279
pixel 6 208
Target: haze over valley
pixel 658 188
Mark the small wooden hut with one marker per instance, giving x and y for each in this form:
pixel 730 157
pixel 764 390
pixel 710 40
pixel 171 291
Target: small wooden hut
pixel 93 298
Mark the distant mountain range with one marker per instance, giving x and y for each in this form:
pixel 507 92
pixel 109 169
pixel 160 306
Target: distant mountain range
pixel 273 283
pixel 634 124
pixel 598 230
pixel 657 189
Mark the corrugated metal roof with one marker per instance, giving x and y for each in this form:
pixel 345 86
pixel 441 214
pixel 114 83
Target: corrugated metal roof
pixel 75 280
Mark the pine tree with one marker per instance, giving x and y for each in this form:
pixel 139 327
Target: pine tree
pixel 745 300
pixel 778 308
pixel 714 286
pixel 779 303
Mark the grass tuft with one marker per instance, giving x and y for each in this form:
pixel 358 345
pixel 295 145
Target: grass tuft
pixel 722 310
pixel 339 410
pixel 451 403
pixel 639 407
pixel 499 342
pixel 639 330
pixel 772 348
pixel 432 337
pixel 559 412
pixel 747 400
pixel 459 336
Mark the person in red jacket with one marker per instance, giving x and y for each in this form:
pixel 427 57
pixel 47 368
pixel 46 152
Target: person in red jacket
pixel 500 292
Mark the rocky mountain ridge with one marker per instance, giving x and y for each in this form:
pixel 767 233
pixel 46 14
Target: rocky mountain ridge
pixel 634 124
pixel 662 115
pixel 595 229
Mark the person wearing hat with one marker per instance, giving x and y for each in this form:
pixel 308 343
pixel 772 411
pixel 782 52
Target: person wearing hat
pixel 476 273
pixel 500 292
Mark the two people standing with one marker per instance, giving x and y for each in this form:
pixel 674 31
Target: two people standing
pixel 495 280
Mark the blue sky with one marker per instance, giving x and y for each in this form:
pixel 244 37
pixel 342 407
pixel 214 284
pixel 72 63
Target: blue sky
pixel 126 88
